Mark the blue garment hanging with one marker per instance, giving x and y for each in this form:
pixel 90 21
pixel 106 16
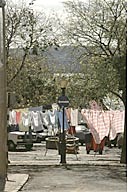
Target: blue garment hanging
pixel 60 117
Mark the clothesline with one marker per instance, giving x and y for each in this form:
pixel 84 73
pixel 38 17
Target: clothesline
pixel 101 123
pixel 38 120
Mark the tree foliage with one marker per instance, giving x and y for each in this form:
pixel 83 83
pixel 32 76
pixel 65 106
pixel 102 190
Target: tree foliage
pixel 28 34
pixel 34 85
pixel 100 28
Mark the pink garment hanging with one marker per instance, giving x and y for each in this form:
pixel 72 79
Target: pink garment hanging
pixel 91 122
pixel 18 117
pixel 103 124
pixel 117 123
pixel 99 123
pixel 24 120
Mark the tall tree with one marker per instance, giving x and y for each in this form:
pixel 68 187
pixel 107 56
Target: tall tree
pixel 28 34
pixel 100 28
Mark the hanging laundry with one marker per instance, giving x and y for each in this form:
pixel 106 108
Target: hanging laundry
pixel 12 121
pixel 53 116
pixel 60 117
pixel 12 117
pixel 98 123
pixel 36 121
pixel 103 124
pixel 18 116
pixel 74 117
pixel 25 120
pixel 45 118
pixel 117 123
pixel 68 114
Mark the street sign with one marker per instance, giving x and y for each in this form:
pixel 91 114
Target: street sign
pixel 63 101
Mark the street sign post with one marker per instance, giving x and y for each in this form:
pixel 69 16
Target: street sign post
pixel 63 102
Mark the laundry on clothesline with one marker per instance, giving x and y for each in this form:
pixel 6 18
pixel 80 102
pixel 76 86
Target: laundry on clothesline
pixel 104 123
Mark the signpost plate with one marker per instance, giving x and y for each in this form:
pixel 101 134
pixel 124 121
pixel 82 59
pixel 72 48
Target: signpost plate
pixel 63 101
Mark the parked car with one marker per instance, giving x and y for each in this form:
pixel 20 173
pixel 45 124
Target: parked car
pixel 83 133
pixel 117 142
pixel 18 138
pixel 41 136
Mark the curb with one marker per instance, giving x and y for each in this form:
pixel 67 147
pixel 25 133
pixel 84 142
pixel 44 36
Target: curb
pixel 89 163
pixel 15 182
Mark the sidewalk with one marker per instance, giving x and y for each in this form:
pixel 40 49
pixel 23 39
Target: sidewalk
pixel 16 181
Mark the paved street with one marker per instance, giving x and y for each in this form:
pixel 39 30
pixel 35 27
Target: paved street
pixel 83 173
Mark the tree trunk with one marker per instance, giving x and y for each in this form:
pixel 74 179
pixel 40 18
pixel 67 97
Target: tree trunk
pixel 124 147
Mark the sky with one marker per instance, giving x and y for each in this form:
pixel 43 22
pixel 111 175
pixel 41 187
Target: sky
pixel 49 5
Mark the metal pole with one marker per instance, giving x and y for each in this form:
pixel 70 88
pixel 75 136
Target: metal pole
pixel 63 145
pixel 63 142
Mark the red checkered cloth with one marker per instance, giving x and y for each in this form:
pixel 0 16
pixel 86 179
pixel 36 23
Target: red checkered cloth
pixel 98 122
pixel 116 123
